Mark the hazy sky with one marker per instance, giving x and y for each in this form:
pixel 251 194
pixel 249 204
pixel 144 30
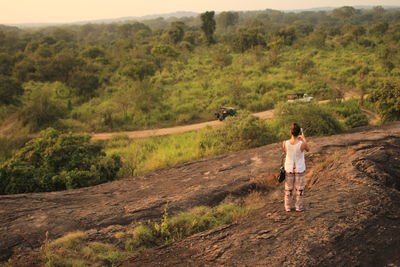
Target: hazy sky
pixel 24 11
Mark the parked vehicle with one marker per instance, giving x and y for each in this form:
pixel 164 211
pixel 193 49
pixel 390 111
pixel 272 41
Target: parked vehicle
pixel 224 112
pixel 299 97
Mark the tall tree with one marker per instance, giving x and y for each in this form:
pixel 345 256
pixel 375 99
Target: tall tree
pixel 176 31
pixel 208 25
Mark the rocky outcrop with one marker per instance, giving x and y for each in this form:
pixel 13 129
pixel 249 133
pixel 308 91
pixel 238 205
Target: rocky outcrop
pixel 352 216
pixel 352 203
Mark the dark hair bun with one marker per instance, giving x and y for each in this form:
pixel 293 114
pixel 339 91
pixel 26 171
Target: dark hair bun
pixel 295 130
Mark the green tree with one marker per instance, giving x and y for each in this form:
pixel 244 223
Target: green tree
pixel 287 34
pixel 138 69
pixel 10 90
pixel 25 70
pixel 176 31
pixel 387 98
pixel 83 83
pixel 6 64
pixel 379 28
pixel 57 161
pixel 58 68
pixel 358 31
pixel 246 38
pixel 93 52
pixel 40 108
pixel 314 119
pixel 163 54
pixel 208 25
pixel 240 132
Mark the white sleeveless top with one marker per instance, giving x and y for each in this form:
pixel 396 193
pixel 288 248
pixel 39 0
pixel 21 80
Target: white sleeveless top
pixel 294 157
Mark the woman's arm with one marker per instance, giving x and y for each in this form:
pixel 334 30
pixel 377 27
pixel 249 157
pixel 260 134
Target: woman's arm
pixel 283 146
pixel 304 145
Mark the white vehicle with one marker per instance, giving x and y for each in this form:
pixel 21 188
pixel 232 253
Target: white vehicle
pixel 299 97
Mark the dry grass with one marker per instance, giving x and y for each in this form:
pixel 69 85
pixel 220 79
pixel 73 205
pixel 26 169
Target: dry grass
pixel 120 235
pixel 255 200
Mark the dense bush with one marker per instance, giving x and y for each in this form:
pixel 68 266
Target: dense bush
pixel 356 120
pixel 350 112
pixel 313 118
pixel 387 99
pixel 57 161
pixel 41 107
pixel 240 132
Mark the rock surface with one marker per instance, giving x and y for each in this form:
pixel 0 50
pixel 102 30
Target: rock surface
pixel 352 202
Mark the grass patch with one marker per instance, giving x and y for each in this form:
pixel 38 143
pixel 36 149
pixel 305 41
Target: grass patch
pixel 75 250
pixel 184 224
pixel 149 154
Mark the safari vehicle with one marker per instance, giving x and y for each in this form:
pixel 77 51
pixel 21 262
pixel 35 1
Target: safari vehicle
pixel 224 112
pixel 299 97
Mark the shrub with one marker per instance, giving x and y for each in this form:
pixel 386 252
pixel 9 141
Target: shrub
pixel 386 99
pixel 41 107
pixel 356 120
pixel 313 118
pixel 345 109
pixel 239 132
pixel 57 161
pixel 350 111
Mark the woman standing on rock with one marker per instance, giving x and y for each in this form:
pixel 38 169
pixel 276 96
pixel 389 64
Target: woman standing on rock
pixel 295 167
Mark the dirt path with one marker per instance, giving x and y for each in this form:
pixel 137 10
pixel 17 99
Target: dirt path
pixel 339 204
pixel 265 115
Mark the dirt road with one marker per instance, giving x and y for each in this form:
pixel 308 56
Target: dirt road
pixel 265 115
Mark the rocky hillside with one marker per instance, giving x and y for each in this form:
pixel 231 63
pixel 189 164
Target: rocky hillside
pixel 352 202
